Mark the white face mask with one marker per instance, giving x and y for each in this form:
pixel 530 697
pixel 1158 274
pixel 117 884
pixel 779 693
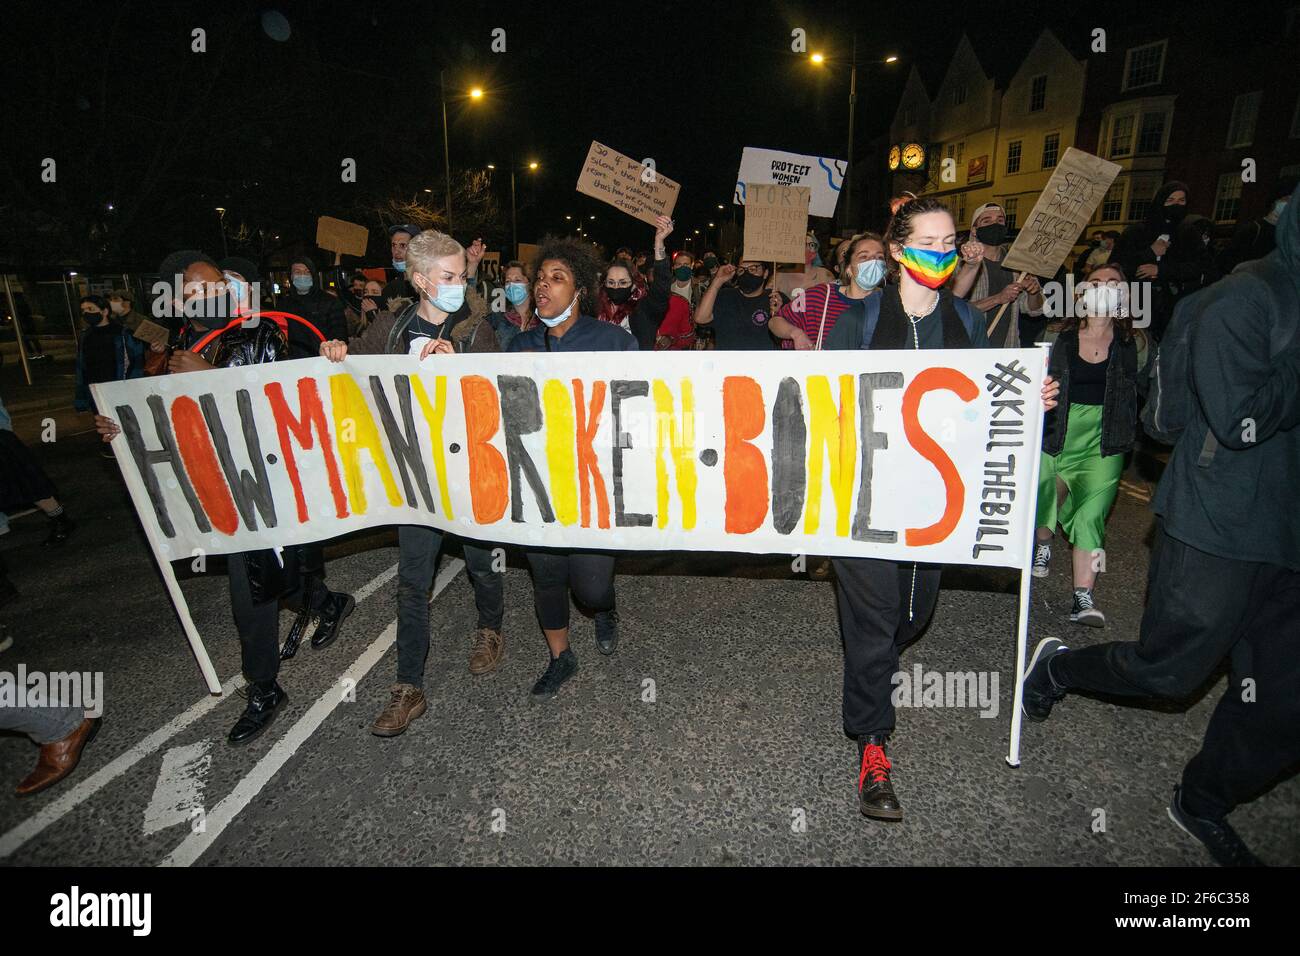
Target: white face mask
pixel 119 308
pixel 1102 300
pixel 553 322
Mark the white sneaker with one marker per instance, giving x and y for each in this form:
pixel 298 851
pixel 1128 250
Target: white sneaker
pixel 1042 560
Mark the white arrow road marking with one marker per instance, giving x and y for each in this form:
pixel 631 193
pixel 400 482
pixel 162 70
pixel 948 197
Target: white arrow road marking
pixel 179 790
pixel 33 825
pixel 224 813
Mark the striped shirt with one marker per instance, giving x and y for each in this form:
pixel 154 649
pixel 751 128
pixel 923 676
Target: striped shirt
pixel 805 311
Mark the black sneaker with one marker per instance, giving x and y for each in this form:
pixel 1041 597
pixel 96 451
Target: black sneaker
pixel 1084 611
pixel 1040 690
pixel 607 631
pixel 557 672
pixel 61 529
pixel 1042 559
pixel 1219 837
pixel 876 797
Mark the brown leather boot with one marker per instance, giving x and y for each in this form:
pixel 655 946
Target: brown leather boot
pixel 487 652
pixel 59 759
pixel 406 704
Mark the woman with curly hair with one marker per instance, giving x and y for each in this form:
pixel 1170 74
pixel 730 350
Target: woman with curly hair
pixel 1095 358
pixel 565 294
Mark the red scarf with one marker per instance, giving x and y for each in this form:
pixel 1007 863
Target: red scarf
pixel 615 314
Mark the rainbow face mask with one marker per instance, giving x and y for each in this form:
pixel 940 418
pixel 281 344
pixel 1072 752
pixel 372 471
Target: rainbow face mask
pixel 928 267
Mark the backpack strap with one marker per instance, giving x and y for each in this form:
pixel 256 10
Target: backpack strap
pixel 871 317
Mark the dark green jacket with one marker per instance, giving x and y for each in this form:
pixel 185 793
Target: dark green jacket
pixel 1244 502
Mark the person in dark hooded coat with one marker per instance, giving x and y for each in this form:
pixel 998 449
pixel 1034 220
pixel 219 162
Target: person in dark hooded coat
pixel 1144 252
pixel 1224 581
pixel 307 299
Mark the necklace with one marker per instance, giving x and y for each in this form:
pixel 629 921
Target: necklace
pixel 916 319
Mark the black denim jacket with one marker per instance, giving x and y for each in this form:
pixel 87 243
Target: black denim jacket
pixel 1119 408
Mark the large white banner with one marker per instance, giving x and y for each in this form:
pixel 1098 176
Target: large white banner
pixel 824 177
pixel 925 456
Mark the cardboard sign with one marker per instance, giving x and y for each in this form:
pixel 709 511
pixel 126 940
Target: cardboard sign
pixel 635 188
pixel 151 332
pixel 776 222
pixel 346 238
pixel 717 453
pixel 1062 211
pixel 824 177
pixel 527 254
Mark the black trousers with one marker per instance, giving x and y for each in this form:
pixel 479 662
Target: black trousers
pixel 417 557
pixel 884 606
pixel 258 625
pixel 589 573
pixel 1200 610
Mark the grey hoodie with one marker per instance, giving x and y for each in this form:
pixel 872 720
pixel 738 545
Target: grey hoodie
pixel 1244 503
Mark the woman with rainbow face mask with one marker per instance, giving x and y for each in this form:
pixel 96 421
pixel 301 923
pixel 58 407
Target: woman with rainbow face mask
pixel 885 604
pixel 1095 358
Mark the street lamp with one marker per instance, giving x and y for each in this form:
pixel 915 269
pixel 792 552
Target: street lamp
pixel 474 94
pixel 533 166
pixel 819 59
pixel 221 218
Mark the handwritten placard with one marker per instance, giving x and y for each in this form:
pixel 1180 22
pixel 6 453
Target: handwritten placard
pixel 636 188
pixel 776 222
pixel 336 235
pixel 1062 211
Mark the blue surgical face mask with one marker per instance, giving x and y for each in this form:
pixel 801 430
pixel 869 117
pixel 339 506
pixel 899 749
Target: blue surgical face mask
pixel 237 287
pixel 1278 206
pixel 399 266
pixel 869 274
pixel 516 292
pixel 553 322
pixel 449 298
pixel 302 283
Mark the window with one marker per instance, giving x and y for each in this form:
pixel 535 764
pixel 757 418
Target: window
pixel 1245 111
pixel 1038 93
pixel 1151 136
pixel 1140 196
pixel 952 150
pixel 959 94
pixel 1121 136
pixel 1013 157
pixel 961 147
pixel 1112 207
pixel 1051 150
pixel 1228 197
pixel 1144 65
pixel 907 116
pixel 961 208
pixel 1011 207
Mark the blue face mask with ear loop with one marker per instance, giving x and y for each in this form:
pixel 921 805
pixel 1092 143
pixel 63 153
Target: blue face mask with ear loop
pixel 449 298
pixel 516 292
pixel 869 274
pixel 302 283
pixel 399 266
pixel 553 322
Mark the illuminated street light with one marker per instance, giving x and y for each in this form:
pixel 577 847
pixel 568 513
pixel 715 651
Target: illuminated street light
pixel 476 94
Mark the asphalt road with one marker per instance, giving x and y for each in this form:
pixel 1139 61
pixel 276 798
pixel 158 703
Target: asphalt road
pixel 737 759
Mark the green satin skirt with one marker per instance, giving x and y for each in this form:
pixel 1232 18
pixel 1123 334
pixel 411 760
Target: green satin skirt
pixel 1091 481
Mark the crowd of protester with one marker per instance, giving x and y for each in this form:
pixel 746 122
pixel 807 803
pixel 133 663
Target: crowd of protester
pixel 918 281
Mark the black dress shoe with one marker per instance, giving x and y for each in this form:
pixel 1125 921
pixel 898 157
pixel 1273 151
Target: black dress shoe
pixel 296 631
pixel 263 702
pixel 333 612
pixel 876 797
pixel 61 529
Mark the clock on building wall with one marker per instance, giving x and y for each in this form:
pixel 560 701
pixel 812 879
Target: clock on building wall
pixel 913 156
pixel 895 155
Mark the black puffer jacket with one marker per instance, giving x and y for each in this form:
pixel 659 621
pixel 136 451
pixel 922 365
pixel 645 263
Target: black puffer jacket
pixel 1119 409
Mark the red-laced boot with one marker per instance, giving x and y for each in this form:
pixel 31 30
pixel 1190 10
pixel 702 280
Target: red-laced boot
pixel 876 796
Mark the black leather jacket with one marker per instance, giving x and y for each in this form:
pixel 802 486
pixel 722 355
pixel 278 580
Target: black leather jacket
pixel 1119 408
pixel 240 345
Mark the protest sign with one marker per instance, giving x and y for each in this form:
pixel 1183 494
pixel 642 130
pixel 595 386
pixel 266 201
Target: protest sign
pixel 635 188
pixel 527 254
pixel 776 223
pixel 1061 213
pixel 152 332
pixel 345 238
pixel 823 177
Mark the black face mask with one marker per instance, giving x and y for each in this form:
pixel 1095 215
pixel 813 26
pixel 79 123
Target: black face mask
pixel 748 283
pixel 1174 214
pixel 91 318
pixel 618 296
pixel 994 234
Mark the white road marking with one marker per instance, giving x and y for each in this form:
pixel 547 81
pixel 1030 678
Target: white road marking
pixel 179 790
pixel 224 813
pixel 37 822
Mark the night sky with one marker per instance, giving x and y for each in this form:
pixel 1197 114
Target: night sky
pixel 135 119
